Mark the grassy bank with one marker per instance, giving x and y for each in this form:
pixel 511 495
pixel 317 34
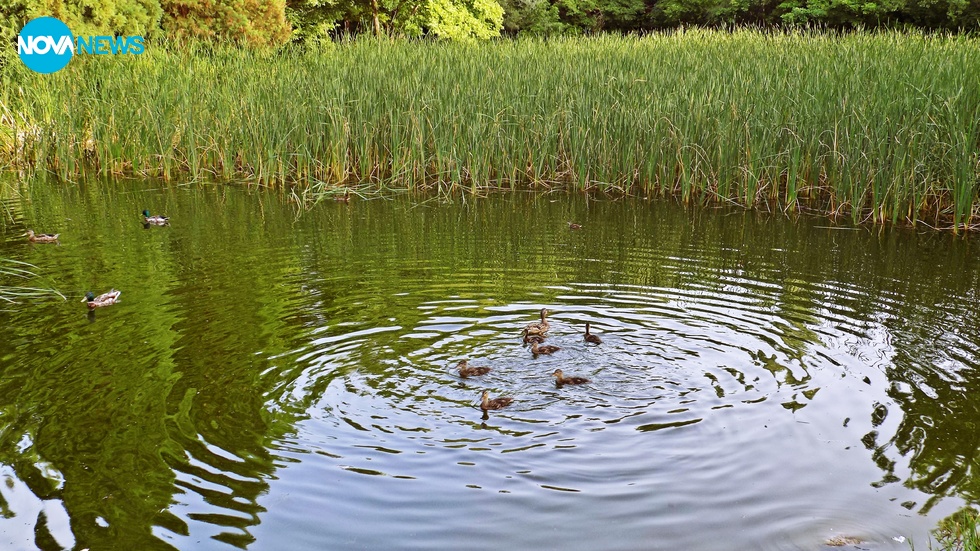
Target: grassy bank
pixel 885 126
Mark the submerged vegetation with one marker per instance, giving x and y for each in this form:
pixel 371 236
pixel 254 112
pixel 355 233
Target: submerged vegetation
pixel 14 293
pixel 882 126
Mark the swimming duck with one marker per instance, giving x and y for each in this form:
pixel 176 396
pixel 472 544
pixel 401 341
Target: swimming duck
pixel 574 226
pixel 345 198
pixel 105 299
pixel 589 337
pixel 543 349
pixel 466 370
pixel 41 237
pixel 538 327
pixel 154 220
pixel 530 339
pixel 494 403
pixel 560 379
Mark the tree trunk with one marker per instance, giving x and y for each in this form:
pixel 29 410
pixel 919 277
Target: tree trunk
pixel 377 22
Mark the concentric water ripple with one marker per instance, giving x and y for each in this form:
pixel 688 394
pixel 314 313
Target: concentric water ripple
pixel 762 383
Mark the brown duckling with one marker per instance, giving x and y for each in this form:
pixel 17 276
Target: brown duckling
pixel 467 370
pixel 538 327
pixel 543 349
pixel 494 403
pixel 560 379
pixel 574 226
pixel 41 237
pixel 530 339
pixel 589 337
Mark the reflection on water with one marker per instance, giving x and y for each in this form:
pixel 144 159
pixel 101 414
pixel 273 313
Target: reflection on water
pixel 284 379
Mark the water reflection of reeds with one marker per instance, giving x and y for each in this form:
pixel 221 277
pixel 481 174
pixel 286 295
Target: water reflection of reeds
pixel 740 357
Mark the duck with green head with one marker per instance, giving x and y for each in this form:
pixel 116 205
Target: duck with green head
pixel 154 220
pixel 105 299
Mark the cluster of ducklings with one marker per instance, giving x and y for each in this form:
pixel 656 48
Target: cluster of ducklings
pixel 111 297
pixel 533 334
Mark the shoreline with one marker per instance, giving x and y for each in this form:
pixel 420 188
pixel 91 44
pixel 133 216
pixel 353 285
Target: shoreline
pixel 845 126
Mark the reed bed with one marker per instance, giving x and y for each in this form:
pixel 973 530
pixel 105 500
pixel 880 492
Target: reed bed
pixel 883 126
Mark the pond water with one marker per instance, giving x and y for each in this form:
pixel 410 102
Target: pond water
pixel 282 378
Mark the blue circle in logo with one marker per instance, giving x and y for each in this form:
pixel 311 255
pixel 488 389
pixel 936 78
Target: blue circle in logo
pixel 45 45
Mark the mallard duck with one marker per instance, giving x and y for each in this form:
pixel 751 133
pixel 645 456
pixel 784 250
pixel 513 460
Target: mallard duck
pixel 560 379
pixel 589 337
pixel 105 299
pixel 154 220
pixel 543 349
pixel 467 370
pixel 494 403
pixel 530 339
pixel 41 237
pixel 574 226
pixel 538 327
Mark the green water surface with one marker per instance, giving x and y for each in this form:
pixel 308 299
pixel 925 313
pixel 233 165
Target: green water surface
pixel 278 377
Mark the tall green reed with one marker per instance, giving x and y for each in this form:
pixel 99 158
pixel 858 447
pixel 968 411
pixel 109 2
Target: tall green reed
pixel 883 126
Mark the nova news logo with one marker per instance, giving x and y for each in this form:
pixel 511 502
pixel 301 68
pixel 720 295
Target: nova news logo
pixel 46 45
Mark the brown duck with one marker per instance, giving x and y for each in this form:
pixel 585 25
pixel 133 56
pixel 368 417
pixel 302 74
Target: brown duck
pixel 589 337
pixel 41 237
pixel 538 327
pixel 467 370
pixel 487 403
pixel 543 348
pixel 530 339
pixel 560 379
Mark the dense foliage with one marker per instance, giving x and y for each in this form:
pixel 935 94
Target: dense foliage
pixel 272 22
pixel 253 22
pixel 311 17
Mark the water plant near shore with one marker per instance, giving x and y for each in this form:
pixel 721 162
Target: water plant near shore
pixel 958 532
pixel 11 294
pixel 882 126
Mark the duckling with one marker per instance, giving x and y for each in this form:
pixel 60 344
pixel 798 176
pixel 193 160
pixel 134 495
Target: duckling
pixel 494 403
pixel 574 226
pixel 345 198
pixel 105 299
pixel 560 379
pixel 543 349
pixel 530 339
pixel 589 337
pixel 154 220
pixel 41 237
pixel 466 370
pixel 538 327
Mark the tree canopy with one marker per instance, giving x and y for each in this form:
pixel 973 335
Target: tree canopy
pixel 274 22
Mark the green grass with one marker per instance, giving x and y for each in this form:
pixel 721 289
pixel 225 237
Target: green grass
pixel 882 126
pixel 14 294
pixel 958 532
